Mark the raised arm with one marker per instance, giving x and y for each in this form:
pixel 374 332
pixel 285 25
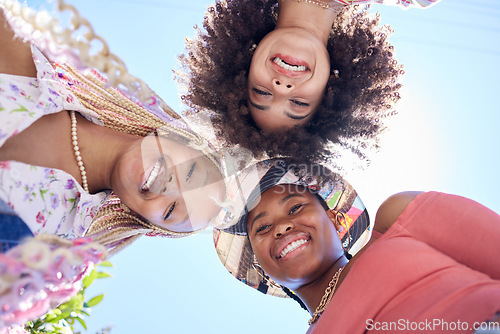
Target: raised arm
pixel 456 226
pixel 15 55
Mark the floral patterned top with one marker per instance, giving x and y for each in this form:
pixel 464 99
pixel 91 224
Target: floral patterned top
pixel 399 3
pixel 47 200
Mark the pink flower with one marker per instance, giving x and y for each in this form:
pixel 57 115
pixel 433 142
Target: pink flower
pixel 5 164
pixel 40 219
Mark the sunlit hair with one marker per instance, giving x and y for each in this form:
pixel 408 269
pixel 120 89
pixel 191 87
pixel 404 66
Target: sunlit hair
pixel 118 99
pixel 361 90
pixel 74 41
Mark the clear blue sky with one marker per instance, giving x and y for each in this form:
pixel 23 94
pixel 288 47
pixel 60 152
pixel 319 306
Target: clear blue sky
pixel 445 138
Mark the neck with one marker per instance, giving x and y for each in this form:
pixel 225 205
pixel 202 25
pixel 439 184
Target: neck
pixel 101 149
pixel 308 16
pixel 312 292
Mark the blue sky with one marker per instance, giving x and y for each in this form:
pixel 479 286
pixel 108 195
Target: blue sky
pixel 445 138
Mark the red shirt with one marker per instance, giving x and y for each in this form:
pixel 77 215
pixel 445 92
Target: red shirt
pixel 435 270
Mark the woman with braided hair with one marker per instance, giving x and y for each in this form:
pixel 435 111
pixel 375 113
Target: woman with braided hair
pixel 287 77
pixel 79 158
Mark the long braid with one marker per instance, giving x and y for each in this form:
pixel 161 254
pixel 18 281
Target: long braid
pixel 115 224
pixel 294 297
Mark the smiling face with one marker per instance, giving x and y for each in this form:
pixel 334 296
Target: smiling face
pixel 288 74
pixel 292 236
pixel 169 184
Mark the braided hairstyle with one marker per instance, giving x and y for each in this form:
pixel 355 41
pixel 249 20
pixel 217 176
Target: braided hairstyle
pixel 123 109
pixel 360 92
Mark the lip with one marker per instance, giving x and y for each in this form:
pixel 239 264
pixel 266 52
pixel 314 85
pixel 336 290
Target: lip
pixel 291 61
pixel 159 179
pixel 288 239
pixel 146 174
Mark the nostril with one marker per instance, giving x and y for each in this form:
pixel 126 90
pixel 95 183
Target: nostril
pixel 277 82
pixel 288 86
pixel 288 228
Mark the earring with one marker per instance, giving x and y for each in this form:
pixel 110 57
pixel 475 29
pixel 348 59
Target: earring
pixel 340 220
pixel 265 278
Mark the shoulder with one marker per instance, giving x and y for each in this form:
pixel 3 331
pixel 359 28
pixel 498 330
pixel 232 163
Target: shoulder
pixel 392 208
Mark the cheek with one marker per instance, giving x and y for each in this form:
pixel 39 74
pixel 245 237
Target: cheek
pixel 261 250
pixel 262 120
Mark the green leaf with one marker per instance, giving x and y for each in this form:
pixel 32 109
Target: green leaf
pixel 22 108
pixel 43 192
pixel 81 322
pixel 64 315
pixel 89 279
pixel 105 264
pixel 102 274
pixel 94 301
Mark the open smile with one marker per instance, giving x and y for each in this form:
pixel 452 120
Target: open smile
pixel 291 245
pixel 156 175
pixel 289 66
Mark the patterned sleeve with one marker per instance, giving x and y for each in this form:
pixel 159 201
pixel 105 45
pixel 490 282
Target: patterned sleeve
pixel 399 3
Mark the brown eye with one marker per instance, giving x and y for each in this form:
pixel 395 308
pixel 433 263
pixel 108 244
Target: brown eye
pixel 170 210
pixel 263 228
pixel 294 209
pixel 260 92
pixel 300 103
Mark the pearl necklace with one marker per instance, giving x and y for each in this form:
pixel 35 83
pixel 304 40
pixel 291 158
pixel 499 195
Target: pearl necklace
pixel 326 4
pixel 74 140
pixel 330 289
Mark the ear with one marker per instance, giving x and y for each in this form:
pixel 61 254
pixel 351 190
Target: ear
pixel 333 217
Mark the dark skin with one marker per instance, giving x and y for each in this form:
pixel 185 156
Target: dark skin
pixel 276 218
pixel 281 218
pixel 15 56
pixel 115 160
pixel 45 143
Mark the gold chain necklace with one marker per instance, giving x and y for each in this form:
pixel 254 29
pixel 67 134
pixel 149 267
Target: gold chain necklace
pixel 330 289
pixel 76 148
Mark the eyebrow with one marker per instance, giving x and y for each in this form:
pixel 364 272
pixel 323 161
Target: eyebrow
pixel 258 106
pixel 263 214
pixel 287 113
pixel 298 118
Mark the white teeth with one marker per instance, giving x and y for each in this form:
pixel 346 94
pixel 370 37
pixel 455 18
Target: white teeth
pixel 297 68
pixel 293 246
pixel 152 176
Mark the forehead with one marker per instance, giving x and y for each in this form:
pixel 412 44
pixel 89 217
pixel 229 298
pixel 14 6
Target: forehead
pixel 277 193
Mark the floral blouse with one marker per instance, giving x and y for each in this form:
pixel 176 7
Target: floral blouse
pixel 399 3
pixel 47 200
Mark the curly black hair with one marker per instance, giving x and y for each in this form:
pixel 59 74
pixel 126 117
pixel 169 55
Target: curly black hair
pixel 360 92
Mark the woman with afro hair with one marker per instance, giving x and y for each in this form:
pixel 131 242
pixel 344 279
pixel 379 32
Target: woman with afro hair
pixel 286 77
